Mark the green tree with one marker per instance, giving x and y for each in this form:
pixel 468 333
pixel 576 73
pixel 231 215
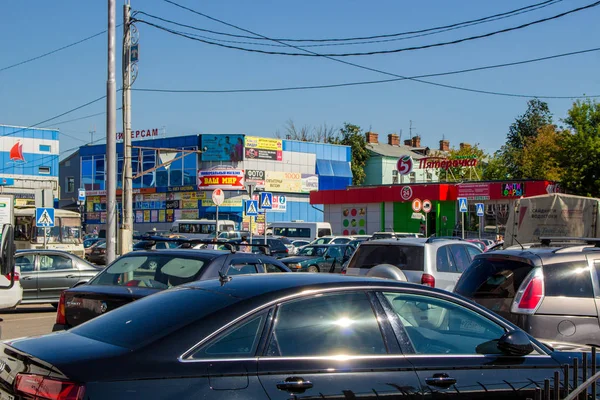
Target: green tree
pixel 541 155
pixel 526 126
pixel 495 167
pixel 461 172
pixel 581 160
pixel 351 135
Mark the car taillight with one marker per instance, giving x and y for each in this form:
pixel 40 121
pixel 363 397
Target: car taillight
pixel 17 276
pixel 41 388
pixel 343 272
pixel 530 294
pixel 61 318
pixel 428 280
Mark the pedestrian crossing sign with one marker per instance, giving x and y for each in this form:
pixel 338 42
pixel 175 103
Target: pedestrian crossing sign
pixel 479 207
pixel 251 208
pixel 462 204
pixel 266 200
pixel 44 217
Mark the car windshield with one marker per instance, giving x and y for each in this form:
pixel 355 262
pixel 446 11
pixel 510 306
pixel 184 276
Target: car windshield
pixel 322 240
pixel 153 317
pixel 382 236
pixel 158 271
pixel 313 251
pixel 409 258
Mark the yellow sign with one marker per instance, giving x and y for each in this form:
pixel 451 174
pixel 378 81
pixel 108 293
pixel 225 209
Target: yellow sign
pixel 254 142
pixel 146 215
pixel 226 203
pixel 290 182
pixel 161 215
pixel 189 204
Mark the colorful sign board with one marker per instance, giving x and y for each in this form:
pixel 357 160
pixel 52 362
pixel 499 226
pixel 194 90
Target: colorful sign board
pixel 222 147
pixel 474 191
pixel 141 134
pixel 226 179
pixel 516 189
pixel 446 163
pixel 231 202
pixel 405 165
pixel 354 221
pixel 257 177
pixel 263 148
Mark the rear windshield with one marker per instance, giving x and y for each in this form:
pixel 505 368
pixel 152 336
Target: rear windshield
pixel 495 278
pixel 153 317
pixel 274 244
pixel 382 236
pixel 151 271
pixel 292 232
pixel 409 258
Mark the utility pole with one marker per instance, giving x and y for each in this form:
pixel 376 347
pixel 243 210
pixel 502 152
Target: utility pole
pixel 111 138
pixel 127 196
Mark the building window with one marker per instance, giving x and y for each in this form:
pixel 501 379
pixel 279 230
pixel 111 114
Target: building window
pixel 70 184
pixel 429 177
pixel 394 176
pixel 44 170
pixel 45 148
pixel 413 177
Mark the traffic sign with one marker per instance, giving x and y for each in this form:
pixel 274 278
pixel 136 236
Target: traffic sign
pixel 426 206
pixel 251 208
pixel 480 210
pixel 266 200
pixel 218 196
pixel 44 217
pixel 462 204
pixel 416 205
pixel 81 196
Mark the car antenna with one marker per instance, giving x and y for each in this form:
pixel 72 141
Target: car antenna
pixel 223 278
pixel 519 243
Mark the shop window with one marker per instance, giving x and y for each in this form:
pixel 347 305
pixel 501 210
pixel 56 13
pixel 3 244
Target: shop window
pixel 429 176
pixel 394 176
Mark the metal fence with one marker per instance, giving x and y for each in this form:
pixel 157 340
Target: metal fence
pixel 570 388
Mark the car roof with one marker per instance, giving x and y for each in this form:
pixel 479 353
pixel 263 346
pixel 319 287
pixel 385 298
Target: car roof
pixel 543 255
pixel 181 252
pixel 279 285
pixel 44 251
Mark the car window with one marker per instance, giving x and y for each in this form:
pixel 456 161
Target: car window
pixel 50 262
pixel 492 278
pixel 270 268
pixel 570 279
pixel 472 252
pixel 340 240
pixel 239 341
pixel 408 258
pixel 157 271
pixel 442 263
pixel 460 256
pixel 334 252
pixel 333 324
pixel 322 241
pixel 239 268
pixel 436 326
pixel 25 262
pixel 323 232
pixel 312 251
pixel 349 251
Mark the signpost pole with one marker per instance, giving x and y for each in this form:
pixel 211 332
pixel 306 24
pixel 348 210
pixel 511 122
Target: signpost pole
pixel 265 227
pixel 463 224
pixel 217 223
pixel 45 238
pixel 251 228
pixel 425 225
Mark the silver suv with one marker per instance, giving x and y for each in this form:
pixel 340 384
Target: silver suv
pixel 550 291
pixel 433 262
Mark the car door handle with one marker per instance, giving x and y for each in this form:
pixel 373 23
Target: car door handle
pixel 71 276
pixel 27 278
pixel 294 385
pixel 440 380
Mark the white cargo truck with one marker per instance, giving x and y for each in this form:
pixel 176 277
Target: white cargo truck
pixel 552 215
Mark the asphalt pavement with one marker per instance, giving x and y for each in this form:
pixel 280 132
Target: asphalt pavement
pixel 29 320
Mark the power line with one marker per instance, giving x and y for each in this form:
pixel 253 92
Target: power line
pixel 507 13
pixel 53 51
pixel 358 65
pixel 73 120
pixel 282 89
pixel 370 53
pixel 346 42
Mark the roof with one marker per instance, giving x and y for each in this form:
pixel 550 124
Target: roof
pixel 546 255
pixel 280 285
pixel 388 150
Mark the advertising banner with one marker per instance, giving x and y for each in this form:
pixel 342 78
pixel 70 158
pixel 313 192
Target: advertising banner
pixel 474 191
pixel 287 182
pixel 226 179
pixel 354 221
pixel 310 182
pixel 279 203
pixel 226 203
pixel 263 148
pixel 223 147
pixel 257 176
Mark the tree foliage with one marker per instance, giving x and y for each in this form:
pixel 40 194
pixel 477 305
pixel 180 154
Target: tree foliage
pixel 540 157
pixel 463 173
pixel 495 168
pixel 581 160
pixel 351 135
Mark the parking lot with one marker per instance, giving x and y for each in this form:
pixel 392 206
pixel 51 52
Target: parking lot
pixel 29 320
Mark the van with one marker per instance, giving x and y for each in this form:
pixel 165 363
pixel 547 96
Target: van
pixel 300 230
pixel 201 228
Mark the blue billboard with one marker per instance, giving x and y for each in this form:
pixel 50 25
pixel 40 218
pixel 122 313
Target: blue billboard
pixel 223 147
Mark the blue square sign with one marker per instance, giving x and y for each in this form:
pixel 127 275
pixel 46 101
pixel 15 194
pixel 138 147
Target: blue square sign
pixel 462 204
pixel 44 217
pixel 479 207
pixel 251 208
pixel 266 200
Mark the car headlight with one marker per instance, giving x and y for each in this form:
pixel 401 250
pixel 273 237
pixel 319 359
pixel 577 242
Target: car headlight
pixel 294 266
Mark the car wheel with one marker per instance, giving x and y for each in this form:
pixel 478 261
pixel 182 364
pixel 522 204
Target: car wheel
pixel 313 268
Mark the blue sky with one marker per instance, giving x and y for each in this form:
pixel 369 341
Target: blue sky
pixel 44 88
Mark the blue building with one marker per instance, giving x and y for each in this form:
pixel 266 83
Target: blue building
pixel 28 162
pixel 175 177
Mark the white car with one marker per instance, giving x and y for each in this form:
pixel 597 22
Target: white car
pixel 10 298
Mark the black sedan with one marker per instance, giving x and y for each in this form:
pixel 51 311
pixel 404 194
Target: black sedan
pixel 144 272
pixel 281 336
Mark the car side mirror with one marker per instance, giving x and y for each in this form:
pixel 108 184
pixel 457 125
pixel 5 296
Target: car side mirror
pixel 7 251
pixel 515 343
